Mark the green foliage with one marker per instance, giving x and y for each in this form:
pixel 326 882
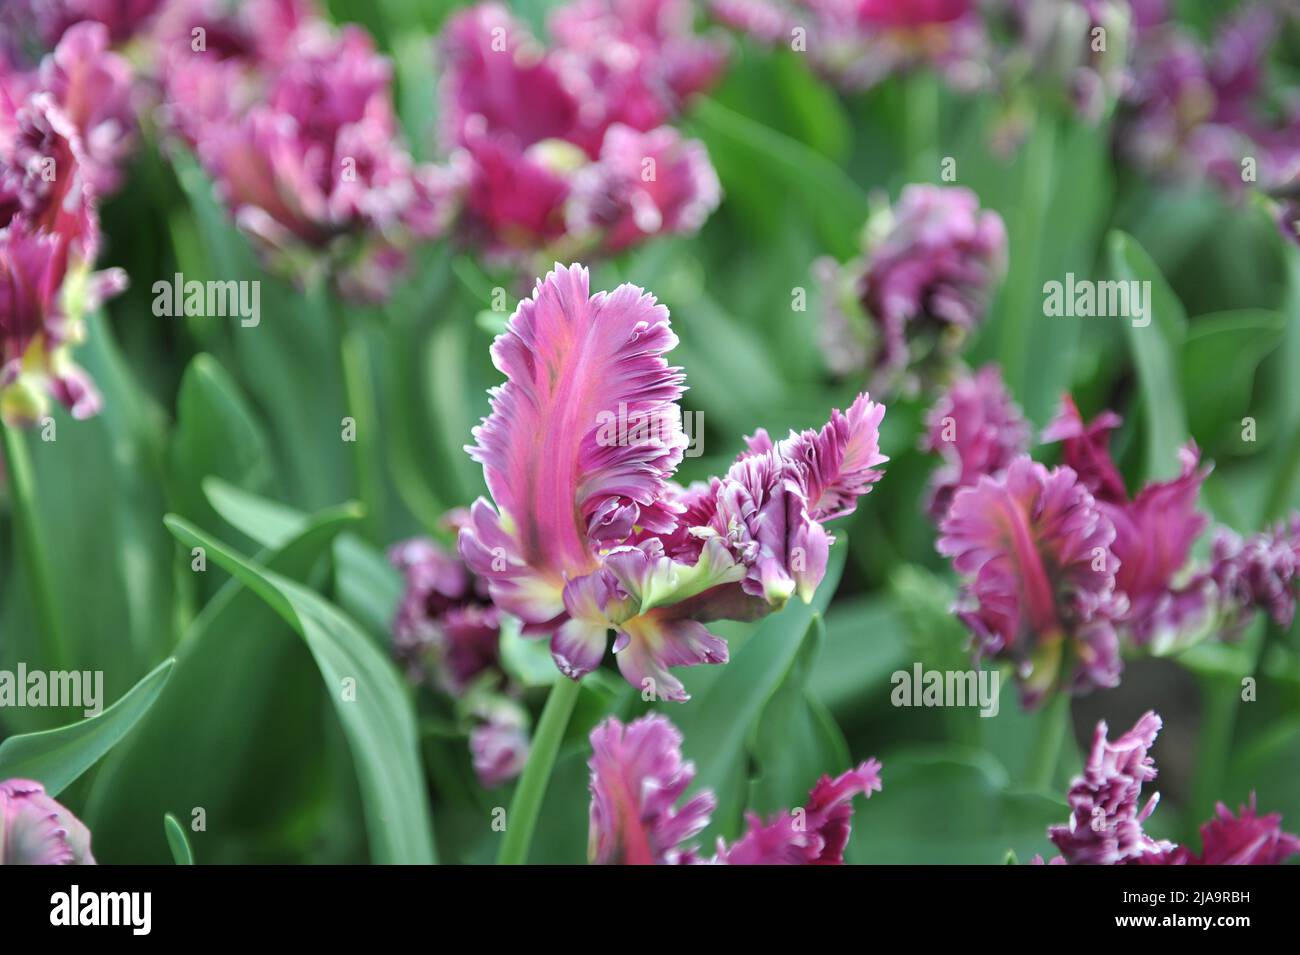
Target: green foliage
pixel 253 679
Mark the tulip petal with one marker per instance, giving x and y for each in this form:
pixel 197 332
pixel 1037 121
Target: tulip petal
pixel 578 368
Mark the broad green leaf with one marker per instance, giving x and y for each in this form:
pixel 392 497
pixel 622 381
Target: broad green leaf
pixel 57 757
pixel 527 660
pixel 244 702
pixel 269 523
pixel 1219 359
pixel 368 587
pixel 368 695
pixel 177 841
pixel 718 723
pixel 1266 767
pixel 1156 348
pixel 1286 483
pixel 217 436
pixel 96 507
pixel 289 362
pixel 795 740
pixel 865 643
pixel 949 806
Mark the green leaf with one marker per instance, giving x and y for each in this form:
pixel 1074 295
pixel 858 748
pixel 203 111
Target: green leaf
pixel 240 660
pixel 216 435
pixel 949 806
pixel 795 740
pixel 865 643
pixel 746 151
pixel 1282 493
pixel 1266 767
pixel 368 587
pixel 1156 348
pixel 97 507
pixel 1219 360
pixel 369 697
pixel 526 659
pixel 718 724
pixel 269 523
pixel 56 758
pixel 177 841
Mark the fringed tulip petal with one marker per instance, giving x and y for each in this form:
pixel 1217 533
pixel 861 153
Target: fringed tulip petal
pixel 36 830
pixel 1105 826
pixel 571 360
pixel 637 778
pixel 1034 549
pixel 978 429
pixel 817 834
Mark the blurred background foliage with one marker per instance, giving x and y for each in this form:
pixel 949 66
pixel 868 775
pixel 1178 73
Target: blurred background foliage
pixel 237 433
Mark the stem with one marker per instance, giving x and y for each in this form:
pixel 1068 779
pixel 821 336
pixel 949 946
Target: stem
pixel 527 803
pixel 412 489
pixel 1222 694
pixel 1048 737
pixel 921 125
pixel 359 394
pixel 358 401
pixel 23 490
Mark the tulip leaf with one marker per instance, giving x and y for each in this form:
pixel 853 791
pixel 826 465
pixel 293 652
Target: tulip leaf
pixel 949 805
pixel 267 522
pixel 177 841
pixel 748 152
pixel 795 740
pixel 217 435
pixel 367 586
pixel 240 660
pixel 1218 363
pixel 1156 347
pixel 720 722
pixel 56 758
pixel 372 702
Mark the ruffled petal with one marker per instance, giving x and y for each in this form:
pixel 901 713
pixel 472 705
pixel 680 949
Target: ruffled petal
pixel 817 834
pixel 571 360
pixel 1105 826
pixel 1035 551
pixel 649 644
pixel 637 777
pixel 37 830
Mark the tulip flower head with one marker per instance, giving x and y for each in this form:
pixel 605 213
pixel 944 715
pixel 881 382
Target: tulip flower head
pixel 49 237
pixel 1261 572
pixel 36 830
pixel 447 634
pixel 921 288
pixel 294 120
pixel 858 43
pixel 977 428
pixel 1105 826
pixel 638 778
pixel 121 19
pixel 1033 548
pixel 587 533
pixel 566 148
pixel 1197 112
